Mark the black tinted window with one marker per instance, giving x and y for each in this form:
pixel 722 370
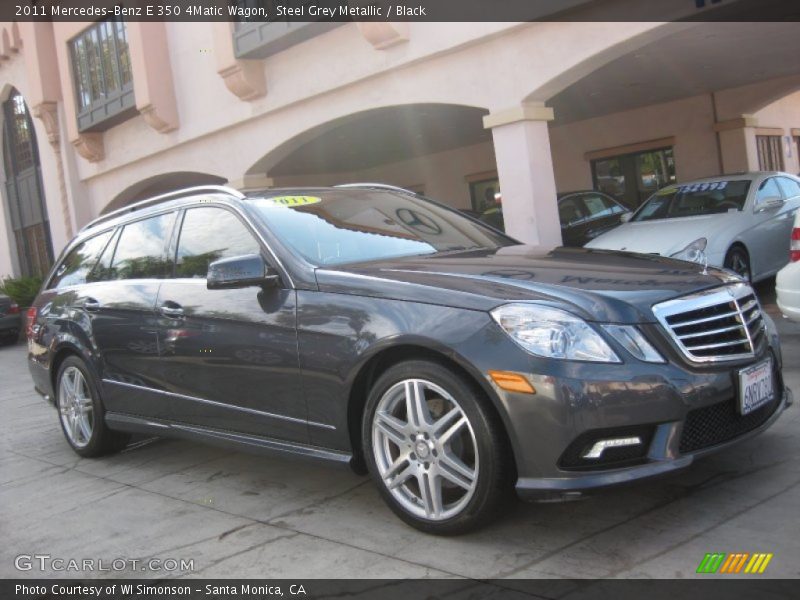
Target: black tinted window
pixel 208 234
pixel 140 252
pixel 598 206
pixel 570 211
pixel 102 269
pixel 78 263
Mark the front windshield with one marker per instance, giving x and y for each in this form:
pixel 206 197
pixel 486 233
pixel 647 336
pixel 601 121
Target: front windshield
pixel 332 227
pixel 694 199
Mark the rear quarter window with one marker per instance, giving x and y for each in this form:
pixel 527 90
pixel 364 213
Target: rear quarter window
pixel 75 267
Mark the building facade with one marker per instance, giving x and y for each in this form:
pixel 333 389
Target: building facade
pixel 99 115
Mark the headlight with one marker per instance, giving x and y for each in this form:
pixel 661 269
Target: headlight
pixel 552 333
pixel 634 342
pixel 694 252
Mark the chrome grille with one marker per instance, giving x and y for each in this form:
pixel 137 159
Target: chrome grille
pixel 719 324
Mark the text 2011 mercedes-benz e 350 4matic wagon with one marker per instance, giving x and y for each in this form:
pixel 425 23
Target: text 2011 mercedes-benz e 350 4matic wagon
pixel 373 327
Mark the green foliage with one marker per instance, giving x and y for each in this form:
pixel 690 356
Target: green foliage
pixel 21 290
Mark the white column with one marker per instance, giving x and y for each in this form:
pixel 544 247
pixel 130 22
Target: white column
pixel 737 144
pixel 525 170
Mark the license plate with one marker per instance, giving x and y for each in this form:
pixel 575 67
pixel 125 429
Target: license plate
pixel 755 387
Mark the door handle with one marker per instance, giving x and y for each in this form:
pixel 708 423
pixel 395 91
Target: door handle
pixel 173 310
pixel 91 305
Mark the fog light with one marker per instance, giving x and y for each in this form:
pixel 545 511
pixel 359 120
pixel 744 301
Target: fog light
pixel 599 447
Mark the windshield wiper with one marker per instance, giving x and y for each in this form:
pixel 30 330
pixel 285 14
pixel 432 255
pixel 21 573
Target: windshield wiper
pixel 454 249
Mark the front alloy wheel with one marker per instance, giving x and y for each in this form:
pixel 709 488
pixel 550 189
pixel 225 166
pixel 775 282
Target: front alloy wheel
pixel 435 448
pixel 425 449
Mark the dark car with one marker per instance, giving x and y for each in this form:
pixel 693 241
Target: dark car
pixel 584 215
pixel 10 319
pixel 373 328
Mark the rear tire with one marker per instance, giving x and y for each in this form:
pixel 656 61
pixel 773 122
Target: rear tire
pixel 738 261
pixel 436 451
pixel 81 412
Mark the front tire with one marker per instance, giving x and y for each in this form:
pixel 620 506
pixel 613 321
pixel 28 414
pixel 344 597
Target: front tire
pixel 81 412
pixel 434 448
pixel 738 261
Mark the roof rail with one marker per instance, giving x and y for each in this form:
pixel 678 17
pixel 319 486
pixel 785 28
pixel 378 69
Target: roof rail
pixel 376 186
pixel 162 198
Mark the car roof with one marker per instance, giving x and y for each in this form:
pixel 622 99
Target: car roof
pixel 573 192
pixel 740 176
pixel 181 197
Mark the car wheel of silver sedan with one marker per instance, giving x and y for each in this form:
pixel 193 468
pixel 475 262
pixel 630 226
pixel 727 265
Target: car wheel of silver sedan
pixel 435 448
pixel 81 412
pixel 738 261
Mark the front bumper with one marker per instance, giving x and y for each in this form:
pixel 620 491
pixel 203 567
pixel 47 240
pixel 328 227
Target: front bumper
pixel 680 410
pixel 662 460
pixel 10 325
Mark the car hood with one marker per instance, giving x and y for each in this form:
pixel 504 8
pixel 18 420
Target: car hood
pixel 612 287
pixel 659 236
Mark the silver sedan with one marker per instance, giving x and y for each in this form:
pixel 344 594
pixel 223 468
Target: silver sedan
pixel 741 222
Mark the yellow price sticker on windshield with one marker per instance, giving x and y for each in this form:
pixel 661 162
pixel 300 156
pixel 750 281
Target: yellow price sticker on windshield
pixel 294 200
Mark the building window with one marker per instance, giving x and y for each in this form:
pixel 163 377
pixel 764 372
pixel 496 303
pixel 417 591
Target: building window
pixel 484 194
pixel 770 152
pixel 632 178
pixel 797 146
pixel 24 193
pixel 101 69
pixel 255 37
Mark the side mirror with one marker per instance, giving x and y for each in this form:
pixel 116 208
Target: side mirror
pixel 240 272
pixel 626 217
pixel 769 203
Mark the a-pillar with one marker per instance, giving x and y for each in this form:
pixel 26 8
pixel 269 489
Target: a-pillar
pixel 525 170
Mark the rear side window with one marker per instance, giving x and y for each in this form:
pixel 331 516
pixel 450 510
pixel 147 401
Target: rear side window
pixel 570 212
pixel 599 206
pixel 209 234
pixel 102 269
pixel 80 261
pixel 141 249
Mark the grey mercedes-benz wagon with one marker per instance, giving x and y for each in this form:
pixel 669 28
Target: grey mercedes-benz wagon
pixel 374 328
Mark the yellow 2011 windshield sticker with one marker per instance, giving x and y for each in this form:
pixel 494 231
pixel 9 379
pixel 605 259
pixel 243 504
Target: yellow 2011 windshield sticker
pixel 294 200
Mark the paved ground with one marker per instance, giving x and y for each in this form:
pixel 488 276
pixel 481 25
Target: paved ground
pixel 239 515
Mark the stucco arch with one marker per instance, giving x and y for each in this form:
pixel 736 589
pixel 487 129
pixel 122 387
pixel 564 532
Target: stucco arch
pixel 296 142
pixel 600 46
pixel 160 184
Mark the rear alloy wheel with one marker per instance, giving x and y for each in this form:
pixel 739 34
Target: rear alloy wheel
pixel 434 450
pixel 75 407
pixel 81 412
pixel 738 261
